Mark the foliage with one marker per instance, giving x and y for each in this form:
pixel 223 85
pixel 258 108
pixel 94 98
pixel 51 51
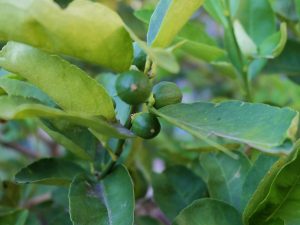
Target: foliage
pixel 149 112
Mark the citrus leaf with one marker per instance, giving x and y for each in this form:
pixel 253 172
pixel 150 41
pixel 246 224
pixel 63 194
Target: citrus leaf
pixel 245 43
pixel 256 173
pixel 216 10
pixel 202 51
pixel 14 87
pixel 208 211
pixel 161 57
pixel 146 220
pixel 86 30
pixel 286 10
pixel 288 61
pixel 144 15
pixel 168 19
pixel 195 31
pixel 262 126
pixel 70 87
pixel 76 139
pixel 251 14
pixel 297 3
pixel 179 186
pixel 49 171
pixel 110 201
pixel 20 108
pixel 225 177
pixel 225 68
pixel 277 196
pixel 16 217
pixel 274 44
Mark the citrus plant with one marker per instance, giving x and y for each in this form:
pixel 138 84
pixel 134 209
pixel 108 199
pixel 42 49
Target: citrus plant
pixel 149 112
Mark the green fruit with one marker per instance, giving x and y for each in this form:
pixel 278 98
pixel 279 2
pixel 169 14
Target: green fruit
pixel 145 125
pixel 166 93
pixel 139 57
pixel 133 87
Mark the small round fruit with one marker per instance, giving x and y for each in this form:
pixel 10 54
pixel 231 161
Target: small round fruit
pixel 133 87
pixel 166 93
pixel 145 125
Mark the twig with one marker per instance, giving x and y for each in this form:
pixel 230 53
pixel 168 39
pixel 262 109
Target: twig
pixel 53 146
pixel 147 207
pixel 37 200
pixel 21 149
pixel 119 148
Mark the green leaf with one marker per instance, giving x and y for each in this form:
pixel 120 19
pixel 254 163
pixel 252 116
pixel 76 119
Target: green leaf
pixel 86 30
pixel 201 51
pixel 225 68
pixel 216 8
pixel 197 43
pixel 59 217
pixel 251 14
pixel 144 15
pixel 245 43
pixel 278 90
pixel 24 89
pixel 208 211
pixel 168 19
pixel 16 217
pixel 49 171
pixel 20 108
pixel 258 125
pixel 200 146
pixel 255 67
pixel 110 201
pixel 146 220
pixel 277 196
pixel 176 188
pixel 161 57
pixel 70 87
pixel 195 31
pixel 225 177
pixel 289 60
pixel 77 139
pixel 286 9
pixel 257 172
pixel 274 44
pixel 297 3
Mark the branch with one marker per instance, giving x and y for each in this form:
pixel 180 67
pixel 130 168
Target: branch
pixel 119 149
pixel 21 149
pixel 147 207
pixel 37 200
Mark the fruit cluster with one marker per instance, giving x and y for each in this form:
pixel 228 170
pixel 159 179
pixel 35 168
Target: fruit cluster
pixel 135 88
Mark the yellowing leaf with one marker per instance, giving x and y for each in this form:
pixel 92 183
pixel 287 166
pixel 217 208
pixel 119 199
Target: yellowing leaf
pixel 12 108
pixel 71 88
pixel 86 30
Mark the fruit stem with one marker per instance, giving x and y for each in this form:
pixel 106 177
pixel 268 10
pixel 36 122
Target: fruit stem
pixel 242 63
pixel 148 66
pixel 119 149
